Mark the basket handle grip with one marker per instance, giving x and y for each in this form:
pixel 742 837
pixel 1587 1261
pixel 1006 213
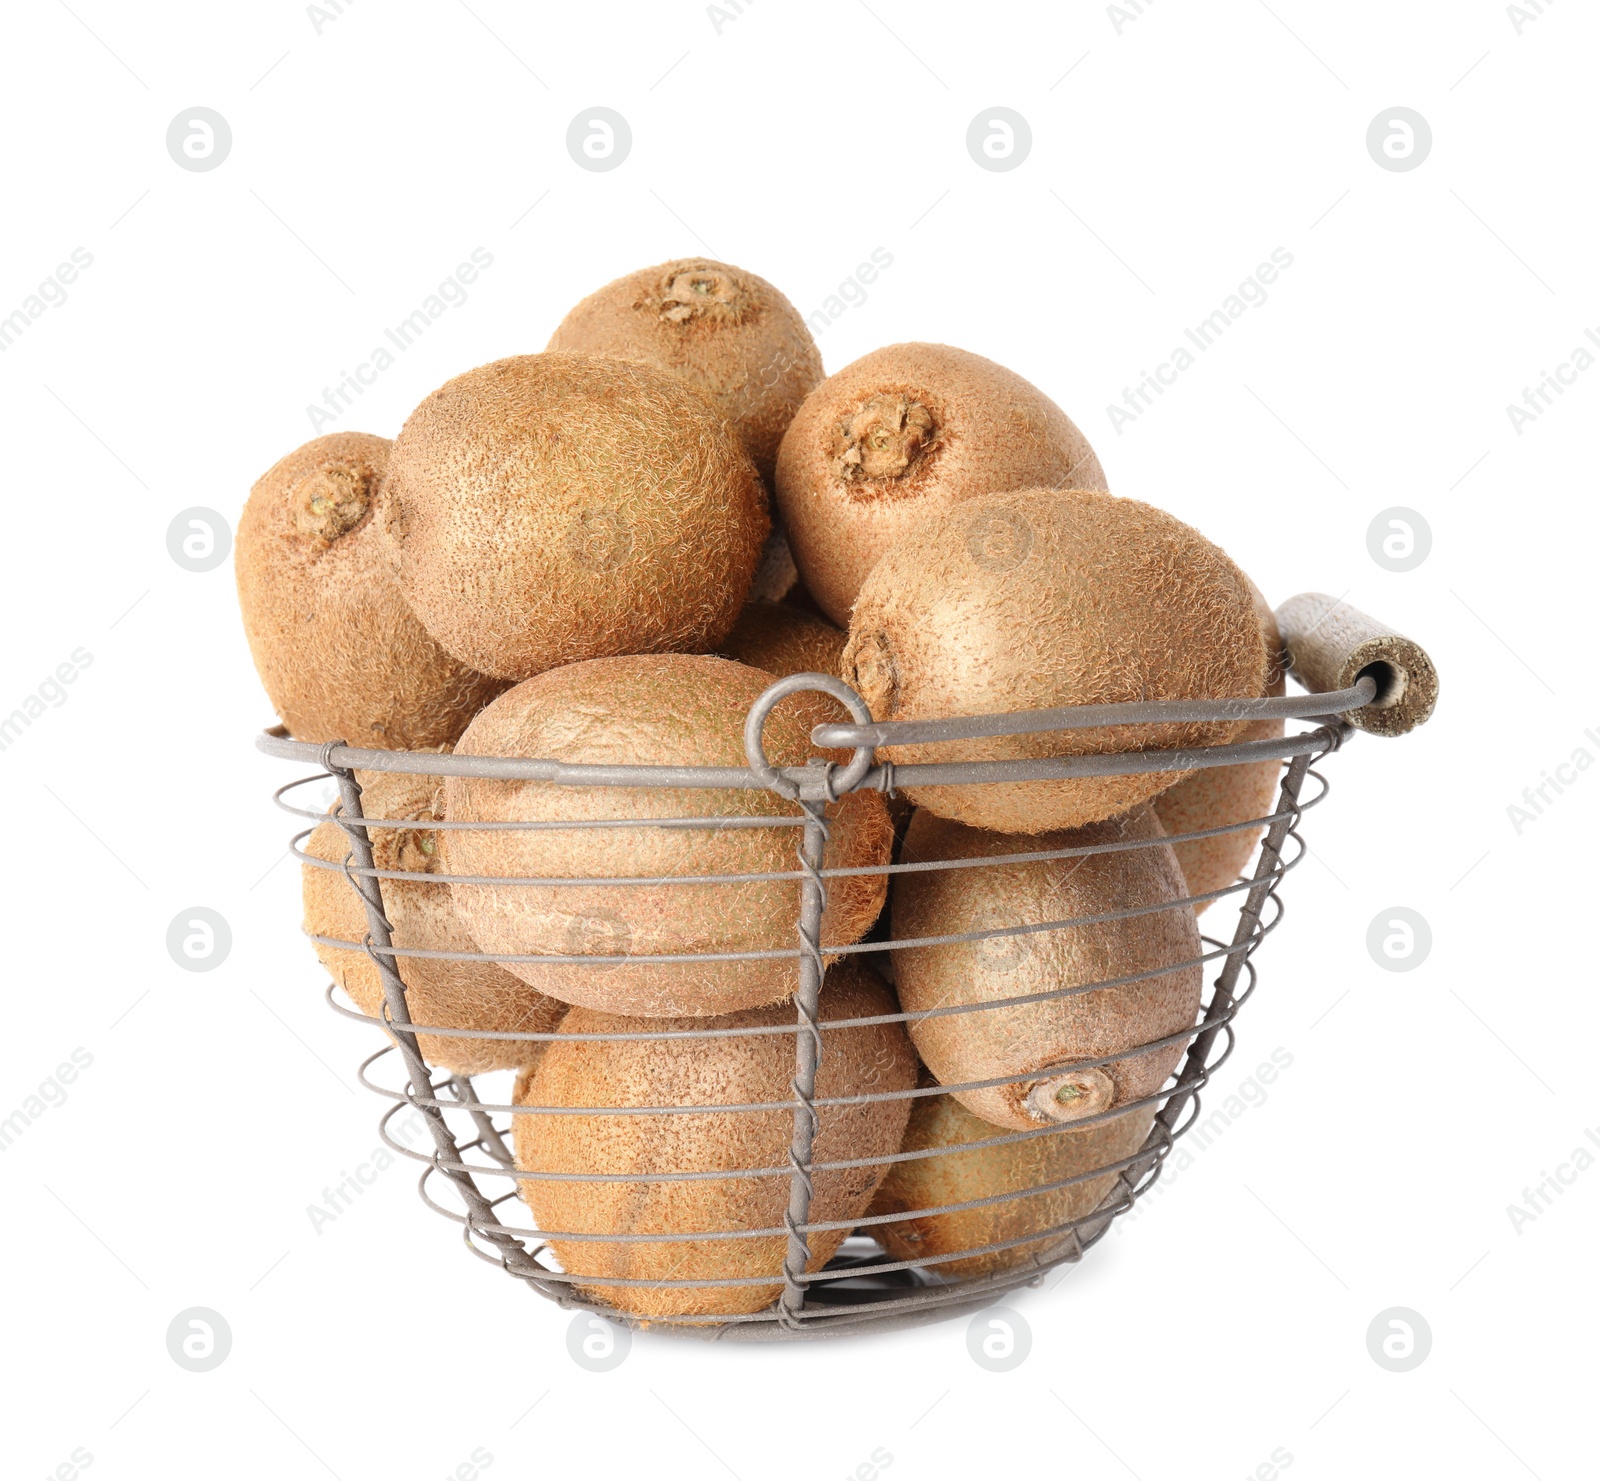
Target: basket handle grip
pixel 1330 645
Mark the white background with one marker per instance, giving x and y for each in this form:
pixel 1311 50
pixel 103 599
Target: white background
pixel 1228 1319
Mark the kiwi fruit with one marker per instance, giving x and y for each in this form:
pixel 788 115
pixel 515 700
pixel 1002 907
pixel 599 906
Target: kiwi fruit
pixel 657 709
pixel 439 992
pixel 1024 1038
pixel 1043 598
pixel 553 508
pixel 747 1070
pixel 339 652
pixel 1215 796
pixel 989 1172
pixel 721 328
pixel 901 435
pixel 781 639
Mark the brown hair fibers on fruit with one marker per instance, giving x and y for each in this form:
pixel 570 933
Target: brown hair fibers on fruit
pixel 744 1070
pixel 1061 1155
pixel 781 639
pixel 1048 598
pixel 1138 886
pixel 340 654
pixel 721 328
pixel 901 435
pixel 653 710
pixel 439 992
pixel 553 508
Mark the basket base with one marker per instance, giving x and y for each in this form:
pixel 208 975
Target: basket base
pixel 911 1303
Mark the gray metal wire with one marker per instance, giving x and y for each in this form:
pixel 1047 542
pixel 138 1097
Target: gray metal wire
pixel 864 1291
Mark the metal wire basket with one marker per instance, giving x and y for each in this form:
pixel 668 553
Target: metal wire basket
pixel 1358 674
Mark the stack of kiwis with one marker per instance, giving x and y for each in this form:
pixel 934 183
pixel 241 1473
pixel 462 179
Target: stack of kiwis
pixel 602 554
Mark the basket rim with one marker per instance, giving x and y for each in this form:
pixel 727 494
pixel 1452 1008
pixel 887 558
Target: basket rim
pixel 823 781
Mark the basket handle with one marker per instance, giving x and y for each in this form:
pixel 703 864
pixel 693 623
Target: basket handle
pixel 1330 645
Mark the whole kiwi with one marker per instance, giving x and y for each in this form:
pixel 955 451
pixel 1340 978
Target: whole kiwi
pixel 439 992
pixel 661 709
pixel 340 654
pixel 1215 796
pixel 719 327
pixel 738 1070
pixel 1062 1155
pixel 548 509
pixel 1034 1039
pixel 1044 598
pixel 901 435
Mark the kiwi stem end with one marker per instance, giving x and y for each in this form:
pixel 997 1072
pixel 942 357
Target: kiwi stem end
pixel 1071 1097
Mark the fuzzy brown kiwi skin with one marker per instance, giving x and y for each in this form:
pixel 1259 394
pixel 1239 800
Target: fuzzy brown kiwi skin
pixel 781 639
pixel 339 652
pixel 651 710
pixel 987 1172
pixel 1043 598
pixel 549 509
pixel 901 435
pixel 720 327
pixel 1212 797
pixel 875 1059
pixel 1039 1037
pixel 439 992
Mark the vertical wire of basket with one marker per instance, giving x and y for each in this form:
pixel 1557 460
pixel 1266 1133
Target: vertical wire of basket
pixel 808 1049
pixel 379 946
pixel 1246 939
